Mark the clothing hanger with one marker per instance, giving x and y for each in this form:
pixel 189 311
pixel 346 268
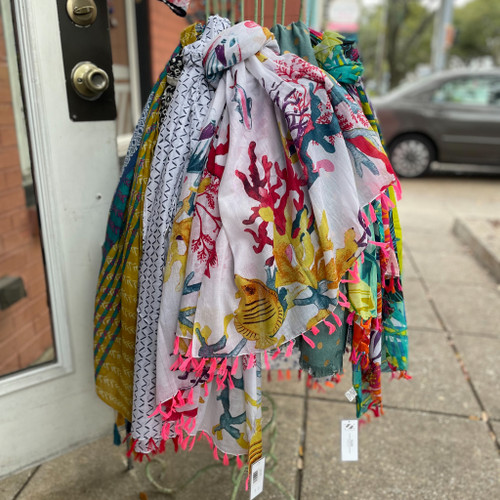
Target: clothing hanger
pixel 225 7
pixel 229 8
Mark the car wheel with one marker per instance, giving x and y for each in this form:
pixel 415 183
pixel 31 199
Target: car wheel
pixel 411 155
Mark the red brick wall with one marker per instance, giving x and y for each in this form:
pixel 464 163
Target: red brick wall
pixel 25 330
pixel 165 29
pixel 291 12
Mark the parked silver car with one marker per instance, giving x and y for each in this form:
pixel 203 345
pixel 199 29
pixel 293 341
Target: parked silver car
pixel 450 117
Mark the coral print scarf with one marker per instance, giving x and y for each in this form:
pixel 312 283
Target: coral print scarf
pixel 270 219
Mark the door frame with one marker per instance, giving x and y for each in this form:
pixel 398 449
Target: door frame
pixel 38 153
pixel 48 410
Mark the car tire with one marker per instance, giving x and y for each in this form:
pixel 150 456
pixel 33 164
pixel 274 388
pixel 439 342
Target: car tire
pixel 411 155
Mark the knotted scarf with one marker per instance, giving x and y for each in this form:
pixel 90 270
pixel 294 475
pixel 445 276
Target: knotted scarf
pixel 269 222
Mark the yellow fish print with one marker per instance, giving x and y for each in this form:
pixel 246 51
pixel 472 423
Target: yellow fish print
pixel 259 314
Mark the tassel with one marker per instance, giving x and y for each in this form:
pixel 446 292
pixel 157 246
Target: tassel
pixel 225 460
pixel 223 367
pixel 210 440
pixel 276 354
pixel 266 361
pixel 211 371
pixel 184 443
pixel 223 373
pixel 190 397
pixel 372 213
pixel 220 384
pixel 178 429
pixel 331 327
pixel 185 365
pixel 365 218
pixel 239 462
pixel 194 364
pixel 189 352
pixel 199 369
pixel 289 349
pixel 190 425
pixel 176 444
pixel 176 345
pixel 288 375
pixel 343 301
pixel 206 389
pixel 180 438
pixel 176 363
pixel 117 440
pixel 280 375
pixel 386 201
pixel 355 273
pixel 159 410
pixel 235 365
pixel 246 482
pixel 216 456
pixel 180 400
pixel 309 341
pixel 230 382
pixel 397 189
pixel 315 330
pixel 192 443
pixel 379 244
pixel 269 377
pixel 165 431
pixel 251 361
pixel 337 319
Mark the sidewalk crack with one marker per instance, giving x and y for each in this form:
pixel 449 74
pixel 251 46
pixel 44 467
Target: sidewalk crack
pixel 456 352
pixel 302 448
pixel 22 488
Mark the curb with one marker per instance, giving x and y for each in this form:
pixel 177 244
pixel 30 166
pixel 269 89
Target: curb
pixel 482 236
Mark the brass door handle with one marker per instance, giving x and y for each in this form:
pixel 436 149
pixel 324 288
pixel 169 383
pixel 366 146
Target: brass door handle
pixel 89 81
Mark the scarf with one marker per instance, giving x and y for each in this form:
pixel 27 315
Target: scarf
pixel 378 319
pixel 179 130
pixel 296 233
pixel 251 185
pixel 114 318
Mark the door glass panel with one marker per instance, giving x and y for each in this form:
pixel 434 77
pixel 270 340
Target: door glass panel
pixel 26 338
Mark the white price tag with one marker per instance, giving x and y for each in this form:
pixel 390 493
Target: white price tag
pixel 349 440
pixel 351 394
pixel 257 478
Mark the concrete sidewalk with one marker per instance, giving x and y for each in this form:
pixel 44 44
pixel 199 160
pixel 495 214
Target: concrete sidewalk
pixel 439 436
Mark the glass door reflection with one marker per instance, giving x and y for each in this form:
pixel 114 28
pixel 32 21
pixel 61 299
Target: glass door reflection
pixel 26 338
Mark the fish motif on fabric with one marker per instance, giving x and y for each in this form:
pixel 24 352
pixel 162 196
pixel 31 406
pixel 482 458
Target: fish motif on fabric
pixel 259 314
pixel 243 104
